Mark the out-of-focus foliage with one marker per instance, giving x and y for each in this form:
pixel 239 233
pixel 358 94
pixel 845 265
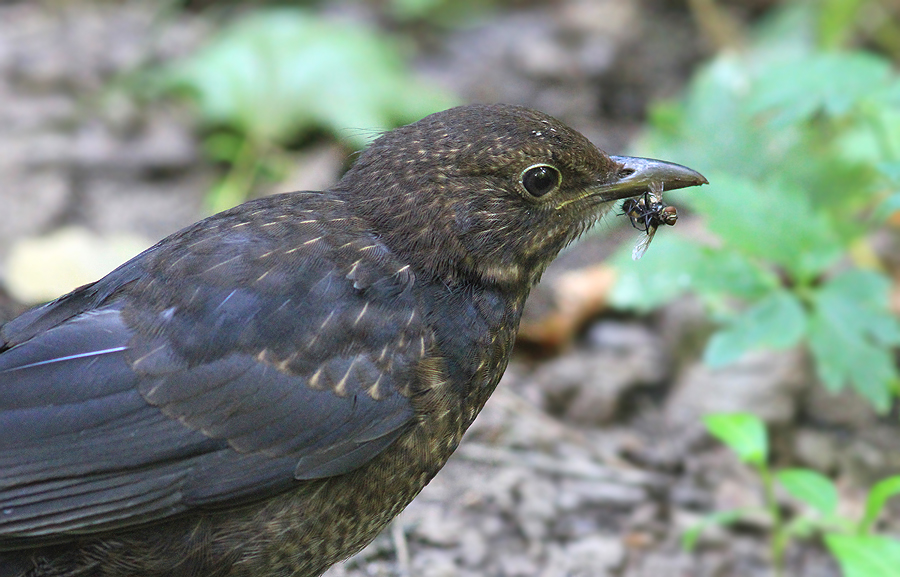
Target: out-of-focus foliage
pixel 851 541
pixel 439 11
pixel 279 73
pixel 801 146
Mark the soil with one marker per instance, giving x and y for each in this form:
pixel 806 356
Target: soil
pixel 590 459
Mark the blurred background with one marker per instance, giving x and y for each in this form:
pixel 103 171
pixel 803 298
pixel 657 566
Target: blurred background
pixel 726 405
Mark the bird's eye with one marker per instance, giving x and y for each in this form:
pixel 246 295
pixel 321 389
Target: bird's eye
pixel 540 179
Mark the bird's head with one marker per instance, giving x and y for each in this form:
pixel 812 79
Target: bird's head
pixel 492 193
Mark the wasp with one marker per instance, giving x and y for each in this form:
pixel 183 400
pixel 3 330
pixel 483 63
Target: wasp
pixel 647 213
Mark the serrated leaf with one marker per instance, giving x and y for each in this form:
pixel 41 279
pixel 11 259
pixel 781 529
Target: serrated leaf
pixel 673 265
pixel 719 272
pixel 879 495
pixel 860 298
pixel 769 220
pixel 660 276
pixel 777 322
pixel 814 489
pixel 710 129
pixel 865 555
pixel 850 333
pixel 832 83
pixel 718 131
pixel 744 433
pixel 787 33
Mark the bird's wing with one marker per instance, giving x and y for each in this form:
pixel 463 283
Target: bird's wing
pixel 141 400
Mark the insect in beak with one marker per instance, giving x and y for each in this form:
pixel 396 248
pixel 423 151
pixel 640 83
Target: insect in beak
pixel 647 213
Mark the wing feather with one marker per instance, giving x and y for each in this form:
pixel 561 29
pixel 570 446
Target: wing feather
pixel 156 390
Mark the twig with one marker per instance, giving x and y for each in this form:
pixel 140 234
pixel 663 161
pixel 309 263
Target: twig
pixel 398 536
pixel 578 469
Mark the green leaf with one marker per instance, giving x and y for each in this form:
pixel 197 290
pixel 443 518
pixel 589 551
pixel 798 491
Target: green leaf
pixel 769 220
pixel 832 83
pixel 777 321
pixel 719 271
pixel 710 129
pixel 660 276
pixel 410 9
pixel 837 21
pixel 850 334
pixel 223 146
pixel 673 265
pixel 787 33
pixel 690 536
pixel 891 171
pixel 272 75
pixel 716 129
pixel 865 555
pixel 811 487
pixel 744 433
pixel 879 495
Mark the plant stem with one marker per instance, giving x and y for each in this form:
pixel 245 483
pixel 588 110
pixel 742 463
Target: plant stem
pixel 720 29
pixel 234 188
pixel 882 137
pixel 778 541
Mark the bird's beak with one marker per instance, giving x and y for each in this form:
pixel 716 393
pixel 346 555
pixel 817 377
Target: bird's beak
pixel 635 175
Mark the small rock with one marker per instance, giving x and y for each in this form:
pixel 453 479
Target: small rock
pixel 577 494
pixel 844 409
pixel 864 461
pixel 536 508
pixel 31 201
pixel 664 564
pixel 432 525
pixel 474 548
pixel 161 145
pixel 593 556
pixel 764 383
pixel 435 563
pixel 40 269
pixel 685 327
pixel 587 386
pixel 731 494
pixel 146 209
pixel 517 565
pixel 815 449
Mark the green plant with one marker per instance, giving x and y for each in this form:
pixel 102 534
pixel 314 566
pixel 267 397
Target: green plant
pixel 802 149
pixel 269 78
pixel 851 542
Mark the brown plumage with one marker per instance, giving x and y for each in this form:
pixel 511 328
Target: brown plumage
pixel 263 391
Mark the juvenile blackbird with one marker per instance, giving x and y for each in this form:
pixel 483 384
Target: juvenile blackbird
pixel 262 392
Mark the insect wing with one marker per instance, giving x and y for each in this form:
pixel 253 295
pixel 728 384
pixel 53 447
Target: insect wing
pixel 647 214
pixel 643 242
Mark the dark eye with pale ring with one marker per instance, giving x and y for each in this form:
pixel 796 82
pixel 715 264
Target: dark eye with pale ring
pixel 540 179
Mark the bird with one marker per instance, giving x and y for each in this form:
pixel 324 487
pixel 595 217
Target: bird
pixel 261 392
